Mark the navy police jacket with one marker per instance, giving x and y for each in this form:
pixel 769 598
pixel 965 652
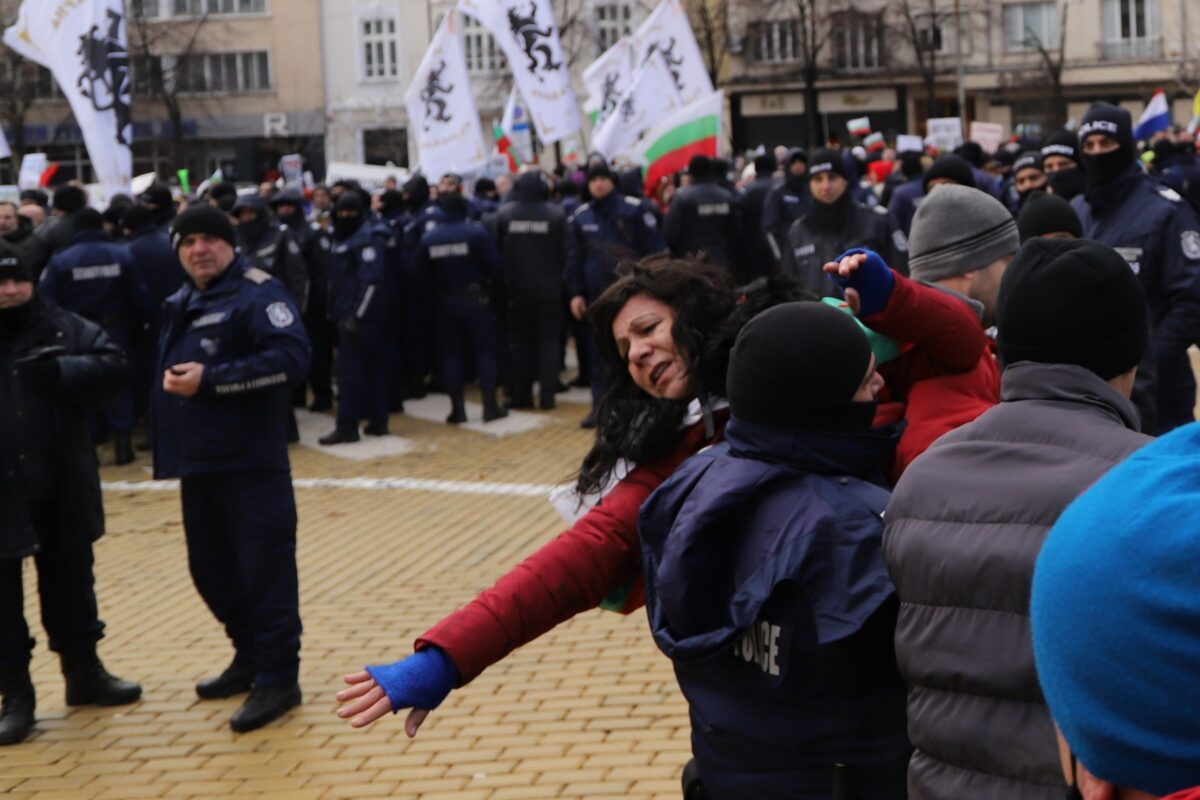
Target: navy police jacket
pixel 766 586
pixel 459 257
pixel 1159 235
pixel 359 281
pixel 99 281
pixel 158 265
pixel 245 328
pixel 603 233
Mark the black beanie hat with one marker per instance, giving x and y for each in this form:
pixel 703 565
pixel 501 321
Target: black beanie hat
pixel 971 152
pixel 910 164
pixel 69 198
pixel 13 265
pixel 89 219
pixel 453 203
pixel 952 167
pixel 136 217
pixel 1030 159
pixel 826 160
pixel 764 165
pixel 1072 301
pixel 202 218
pixel 798 366
pixel 1110 120
pixel 158 195
pixel 1044 213
pixel 599 168
pixel 1062 143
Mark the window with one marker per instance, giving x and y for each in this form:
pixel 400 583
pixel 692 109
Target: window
pixel 935 33
pixel 772 42
pixel 857 40
pixel 611 21
pixel 1030 25
pixel 1131 29
pixel 196 8
pixel 383 146
pixel 379 49
pixel 484 56
pixel 212 72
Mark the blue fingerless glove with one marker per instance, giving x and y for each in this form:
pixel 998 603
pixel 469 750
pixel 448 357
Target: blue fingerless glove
pixel 420 681
pixel 873 281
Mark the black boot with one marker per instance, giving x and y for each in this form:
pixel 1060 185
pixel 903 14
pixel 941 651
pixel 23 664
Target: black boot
pixel 491 409
pixel 16 711
pixel 458 411
pixel 90 684
pixel 339 437
pixel 376 428
pixel 123 443
pixel 238 677
pixel 265 703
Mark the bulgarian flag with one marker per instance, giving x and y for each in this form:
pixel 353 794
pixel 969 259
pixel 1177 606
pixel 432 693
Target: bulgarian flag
pixel 504 146
pixel 690 131
pixel 860 126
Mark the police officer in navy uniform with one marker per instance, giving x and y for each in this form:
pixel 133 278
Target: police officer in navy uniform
pixel 265 244
pixel 54 365
pixel 787 202
pixel 705 217
pixel 602 233
pixel 358 306
pixel 98 280
pixel 531 234
pixel 1159 235
pixel 232 346
pixel 835 224
pixel 461 262
pixel 759 260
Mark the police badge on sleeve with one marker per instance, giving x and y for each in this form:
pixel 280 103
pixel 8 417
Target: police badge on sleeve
pixel 280 315
pixel 1190 241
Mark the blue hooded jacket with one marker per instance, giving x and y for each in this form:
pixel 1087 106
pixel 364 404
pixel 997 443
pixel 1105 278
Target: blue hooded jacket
pixel 765 585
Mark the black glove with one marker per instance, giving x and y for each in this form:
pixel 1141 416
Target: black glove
pixel 40 368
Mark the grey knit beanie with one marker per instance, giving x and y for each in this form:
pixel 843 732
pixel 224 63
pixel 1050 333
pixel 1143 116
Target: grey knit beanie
pixel 957 230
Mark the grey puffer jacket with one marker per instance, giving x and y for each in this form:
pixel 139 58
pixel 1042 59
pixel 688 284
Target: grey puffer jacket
pixel 963 529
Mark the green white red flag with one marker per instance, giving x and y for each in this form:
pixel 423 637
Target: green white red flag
pixel 693 130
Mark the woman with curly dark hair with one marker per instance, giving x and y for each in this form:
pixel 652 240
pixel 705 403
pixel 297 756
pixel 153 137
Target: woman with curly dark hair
pixel 665 329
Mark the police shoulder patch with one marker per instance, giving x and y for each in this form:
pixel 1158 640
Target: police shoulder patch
pixel 256 275
pixel 879 210
pixel 899 241
pixel 1190 242
pixel 649 219
pixel 368 254
pixel 633 201
pixel 293 247
pixel 280 315
pixel 1170 194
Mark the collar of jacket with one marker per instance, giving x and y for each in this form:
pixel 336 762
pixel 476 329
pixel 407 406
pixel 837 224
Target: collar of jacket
pixel 974 304
pixel 1067 383
pixel 1110 195
pixel 608 204
pixel 862 455
pixel 223 283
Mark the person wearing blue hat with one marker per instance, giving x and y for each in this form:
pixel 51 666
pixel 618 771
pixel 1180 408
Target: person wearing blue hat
pixel 1116 627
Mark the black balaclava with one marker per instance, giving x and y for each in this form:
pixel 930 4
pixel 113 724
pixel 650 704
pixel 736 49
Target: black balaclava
pixel 1068 183
pixel 416 193
pixel 798 366
pixel 453 204
pixel 158 199
pixel 293 198
pixel 345 226
pixel 250 233
pixel 797 184
pixel 391 204
pixel 829 215
pixel 1114 122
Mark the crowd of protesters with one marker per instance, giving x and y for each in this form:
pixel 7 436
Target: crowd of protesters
pixel 841 402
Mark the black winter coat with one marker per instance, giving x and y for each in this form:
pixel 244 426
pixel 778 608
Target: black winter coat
pixel 46 450
pixel 810 245
pixel 705 217
pixel 531 232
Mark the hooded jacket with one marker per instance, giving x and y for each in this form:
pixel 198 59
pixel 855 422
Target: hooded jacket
pixel 964 527
pixel 765 586
pixel 705 217
pixel 531 232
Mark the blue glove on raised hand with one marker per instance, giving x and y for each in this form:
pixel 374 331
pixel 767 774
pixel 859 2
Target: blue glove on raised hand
pixel 873 281
pixel 420 681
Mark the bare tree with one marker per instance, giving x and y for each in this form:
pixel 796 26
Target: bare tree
pixel 162 53
pixel 919 25
pixel 811 31
pixel 1051 63
pixel 710 21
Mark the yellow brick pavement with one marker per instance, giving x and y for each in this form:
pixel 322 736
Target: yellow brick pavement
pixel 590 710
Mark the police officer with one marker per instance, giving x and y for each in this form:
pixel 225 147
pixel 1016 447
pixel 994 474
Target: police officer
pixel 1029 176
pixel 99 281
pixel 1175 165
pixel 312 243
pixel 59 228
pixel 419 346
pixel 232 345
pixel 161 204
pixel 1060 161
pixel 903 203
pixel 266 244
pixel 358 306
pixel 603 232
pixel 834 224
pixel 705 217
pixel 1159 235
pixel 53 366
pixel 758 259
pixel 17 230
pixel 461 261
pixel 787 202
pixel 531 234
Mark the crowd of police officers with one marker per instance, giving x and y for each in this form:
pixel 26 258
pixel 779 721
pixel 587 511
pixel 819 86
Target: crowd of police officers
pixel 217 321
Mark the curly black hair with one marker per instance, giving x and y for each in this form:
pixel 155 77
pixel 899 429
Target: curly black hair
pixel 709 311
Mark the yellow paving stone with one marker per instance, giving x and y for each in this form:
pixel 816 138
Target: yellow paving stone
pixel 132 792
pixel 528 792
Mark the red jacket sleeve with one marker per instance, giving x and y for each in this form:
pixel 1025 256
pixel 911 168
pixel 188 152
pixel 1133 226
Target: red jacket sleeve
pixel 599 554
pixel 939 335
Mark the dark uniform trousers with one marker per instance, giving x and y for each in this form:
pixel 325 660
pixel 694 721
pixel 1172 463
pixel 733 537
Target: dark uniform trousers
pixel 466 321
pixel 535 328
pixel 241 543
pixel 65 588
pixel 362 369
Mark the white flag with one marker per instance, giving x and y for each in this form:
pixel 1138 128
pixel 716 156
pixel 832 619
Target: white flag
pixel 83 45
pixel 441 108
pixel 651 94
pixel 526 31
pixel 5 150
pixel 668 31
pixel 607 79
pixel 515 124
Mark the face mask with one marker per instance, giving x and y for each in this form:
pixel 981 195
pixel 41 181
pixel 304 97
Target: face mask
pixel 1067 183
pixel 344 227
pixel 1105 168
pixel 250 232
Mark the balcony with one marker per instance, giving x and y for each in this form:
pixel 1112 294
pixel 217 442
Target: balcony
pixel 1131 49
